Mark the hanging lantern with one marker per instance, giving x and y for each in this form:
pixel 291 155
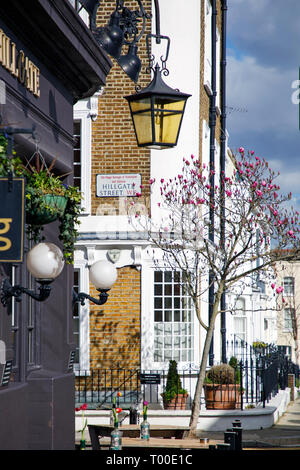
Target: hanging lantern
pixel 157 113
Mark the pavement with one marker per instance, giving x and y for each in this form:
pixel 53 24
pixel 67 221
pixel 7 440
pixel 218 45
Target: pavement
pixel 285 434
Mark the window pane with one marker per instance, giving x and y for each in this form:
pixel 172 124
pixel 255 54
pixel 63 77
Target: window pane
pixel 176 315
pixel 168 289
pixel 168 315
pixel 158 289
pixel 288 285
pixel 157 315
pixel 173 315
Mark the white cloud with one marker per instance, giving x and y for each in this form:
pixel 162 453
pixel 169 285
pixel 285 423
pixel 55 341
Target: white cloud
pixel 265 92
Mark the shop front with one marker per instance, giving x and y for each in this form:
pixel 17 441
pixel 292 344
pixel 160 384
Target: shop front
pixel 48 61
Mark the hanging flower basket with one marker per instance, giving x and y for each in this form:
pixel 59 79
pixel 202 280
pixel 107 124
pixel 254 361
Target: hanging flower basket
pixel 52 207
pixel 47 198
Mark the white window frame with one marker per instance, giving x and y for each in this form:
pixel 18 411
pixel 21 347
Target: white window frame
pixel 85 155
pixel 288 319
pixel 240 314
pixel 84 318
pixel 193 323
pixel 289 285
pixel 85 111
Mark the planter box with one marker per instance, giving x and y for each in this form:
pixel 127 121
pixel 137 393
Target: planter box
pixel 221 396
pixel 177 403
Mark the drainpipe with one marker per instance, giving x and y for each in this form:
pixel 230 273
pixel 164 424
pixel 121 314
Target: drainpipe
pixel 222 163
pixel 212 125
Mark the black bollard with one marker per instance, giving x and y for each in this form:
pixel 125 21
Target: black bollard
pixel 230 438
pixel 237 428
pixel 133 416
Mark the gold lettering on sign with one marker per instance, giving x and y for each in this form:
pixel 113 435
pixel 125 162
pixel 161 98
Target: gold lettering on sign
pixel 5 229
pixel 19 65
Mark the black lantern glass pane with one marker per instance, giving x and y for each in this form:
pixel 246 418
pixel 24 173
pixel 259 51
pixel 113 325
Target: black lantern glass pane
pixel 141 116
pixel 167 119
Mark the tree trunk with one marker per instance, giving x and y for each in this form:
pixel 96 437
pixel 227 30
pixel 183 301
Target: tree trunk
pixel 201 376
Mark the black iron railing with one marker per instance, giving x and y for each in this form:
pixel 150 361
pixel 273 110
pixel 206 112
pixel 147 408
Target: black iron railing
pixel 257 379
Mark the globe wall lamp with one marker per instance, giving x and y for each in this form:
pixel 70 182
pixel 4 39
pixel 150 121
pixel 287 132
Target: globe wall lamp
pixel 45 262
pixel 157 110
pixel 103 274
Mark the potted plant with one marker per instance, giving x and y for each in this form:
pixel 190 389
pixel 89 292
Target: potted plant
pixel 221 388
pixel 259 346
pixel 174 396
pixel 47 198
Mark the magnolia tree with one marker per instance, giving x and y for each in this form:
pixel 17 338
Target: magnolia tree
pixel 219 229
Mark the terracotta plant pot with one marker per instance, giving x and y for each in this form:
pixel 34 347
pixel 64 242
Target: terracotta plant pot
pixel 177 403
pixel 221 397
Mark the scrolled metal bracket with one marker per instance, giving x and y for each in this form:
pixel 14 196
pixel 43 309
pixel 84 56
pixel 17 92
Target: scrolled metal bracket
pixel 8 291
pixel 82 297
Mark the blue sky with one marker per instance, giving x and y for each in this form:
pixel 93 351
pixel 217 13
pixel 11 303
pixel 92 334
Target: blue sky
pixel 263 60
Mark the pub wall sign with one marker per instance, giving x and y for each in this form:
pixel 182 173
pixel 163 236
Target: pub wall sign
pixel 12 197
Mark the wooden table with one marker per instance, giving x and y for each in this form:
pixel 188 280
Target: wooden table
pixel 156 442
pixel 132 431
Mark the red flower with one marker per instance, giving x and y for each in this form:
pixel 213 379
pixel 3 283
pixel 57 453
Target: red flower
pixel 84 406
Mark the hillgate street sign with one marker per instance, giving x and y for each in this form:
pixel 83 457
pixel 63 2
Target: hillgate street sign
pixel 118 185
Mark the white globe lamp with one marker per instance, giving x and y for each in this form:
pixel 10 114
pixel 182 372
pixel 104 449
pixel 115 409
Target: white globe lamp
pixel 103 274
pixel 45 261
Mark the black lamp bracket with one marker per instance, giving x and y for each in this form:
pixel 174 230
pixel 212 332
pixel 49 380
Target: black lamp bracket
pixel 82 297
pixel 130 20
pixel 151 57
pixel 8 291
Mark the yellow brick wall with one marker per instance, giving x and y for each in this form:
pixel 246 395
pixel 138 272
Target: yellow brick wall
pixel 114 148
pixel 115 326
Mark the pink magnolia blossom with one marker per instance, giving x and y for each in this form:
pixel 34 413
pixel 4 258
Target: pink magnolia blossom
pixel 241 149
pixel 273 286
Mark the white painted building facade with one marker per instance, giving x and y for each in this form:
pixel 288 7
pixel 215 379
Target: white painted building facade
pixel 99 234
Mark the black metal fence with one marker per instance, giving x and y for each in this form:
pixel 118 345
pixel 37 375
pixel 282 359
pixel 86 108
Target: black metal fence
pixel 257 379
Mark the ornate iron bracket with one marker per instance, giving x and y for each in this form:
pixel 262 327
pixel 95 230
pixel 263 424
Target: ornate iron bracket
pixel 8 291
